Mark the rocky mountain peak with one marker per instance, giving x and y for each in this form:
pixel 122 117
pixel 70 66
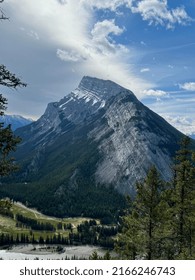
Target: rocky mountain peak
pixel 104 89
pixel 91 95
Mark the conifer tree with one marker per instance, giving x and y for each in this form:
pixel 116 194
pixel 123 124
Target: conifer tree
pixel 183 200
pixel 8 141
pixel 2 14
pixel 94 256
pixel 140 229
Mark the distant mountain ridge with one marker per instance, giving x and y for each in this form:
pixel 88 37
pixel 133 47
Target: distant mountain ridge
pixel 98 136
pixel 16 121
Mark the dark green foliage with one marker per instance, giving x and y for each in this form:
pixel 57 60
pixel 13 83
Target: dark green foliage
pixel 33 224
pixel 93 234
pixel 85 200
pixel 183 200
pixel 95 256
pixel 8 79
pixel 160 223
pixel 2 14
pixel 141 227
pixel 5 208
pixel 8 141
pixel 59 226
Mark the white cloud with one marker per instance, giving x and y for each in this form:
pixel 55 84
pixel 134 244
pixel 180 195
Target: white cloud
pixel 101 35
pixel 152 92
pixel 188 86
pixel 158 13
pixel 155 12
pixel 145 70
pixel 107 4
pixel 183 124
pixel 72 56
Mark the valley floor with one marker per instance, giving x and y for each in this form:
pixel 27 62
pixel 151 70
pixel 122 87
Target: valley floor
pixel 66 238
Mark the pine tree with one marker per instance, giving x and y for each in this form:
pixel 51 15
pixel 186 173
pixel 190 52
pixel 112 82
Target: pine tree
pixel 2 14
pixel 8 141
pixel 107 256
pixel 183 199
pixel 130 242
pixel 140 229
pixel 94 256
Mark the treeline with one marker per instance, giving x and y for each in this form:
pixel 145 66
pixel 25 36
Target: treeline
pixel 9 239
pixel 160 222
pixel 34 224
pixel 87 233
pixel 91 233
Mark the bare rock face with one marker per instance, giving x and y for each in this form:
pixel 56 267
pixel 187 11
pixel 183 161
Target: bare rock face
pixel 105 124
pixel 139 139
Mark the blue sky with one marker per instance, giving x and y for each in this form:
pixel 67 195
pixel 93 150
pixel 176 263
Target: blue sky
pixel 147 46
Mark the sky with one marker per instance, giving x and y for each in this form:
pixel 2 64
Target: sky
pixel 147 46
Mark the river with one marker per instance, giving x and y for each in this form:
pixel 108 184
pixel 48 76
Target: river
pixel 45 252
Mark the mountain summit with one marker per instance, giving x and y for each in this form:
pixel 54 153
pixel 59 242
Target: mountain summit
pixel 98 135
pixel 90 96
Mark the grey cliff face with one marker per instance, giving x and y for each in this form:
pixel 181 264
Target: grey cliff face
pixel 134 145
pixel 129 137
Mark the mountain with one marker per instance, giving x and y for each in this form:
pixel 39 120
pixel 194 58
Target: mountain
pixel 16 121
pixel 89 149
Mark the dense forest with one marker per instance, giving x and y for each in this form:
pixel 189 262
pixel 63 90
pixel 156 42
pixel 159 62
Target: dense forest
pixel 82 199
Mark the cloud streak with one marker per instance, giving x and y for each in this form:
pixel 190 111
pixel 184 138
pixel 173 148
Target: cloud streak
pixel 188 86
pixel 69 56
pixel 152 92
pixel 143 70
pixel 184 124
pixel 112 5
